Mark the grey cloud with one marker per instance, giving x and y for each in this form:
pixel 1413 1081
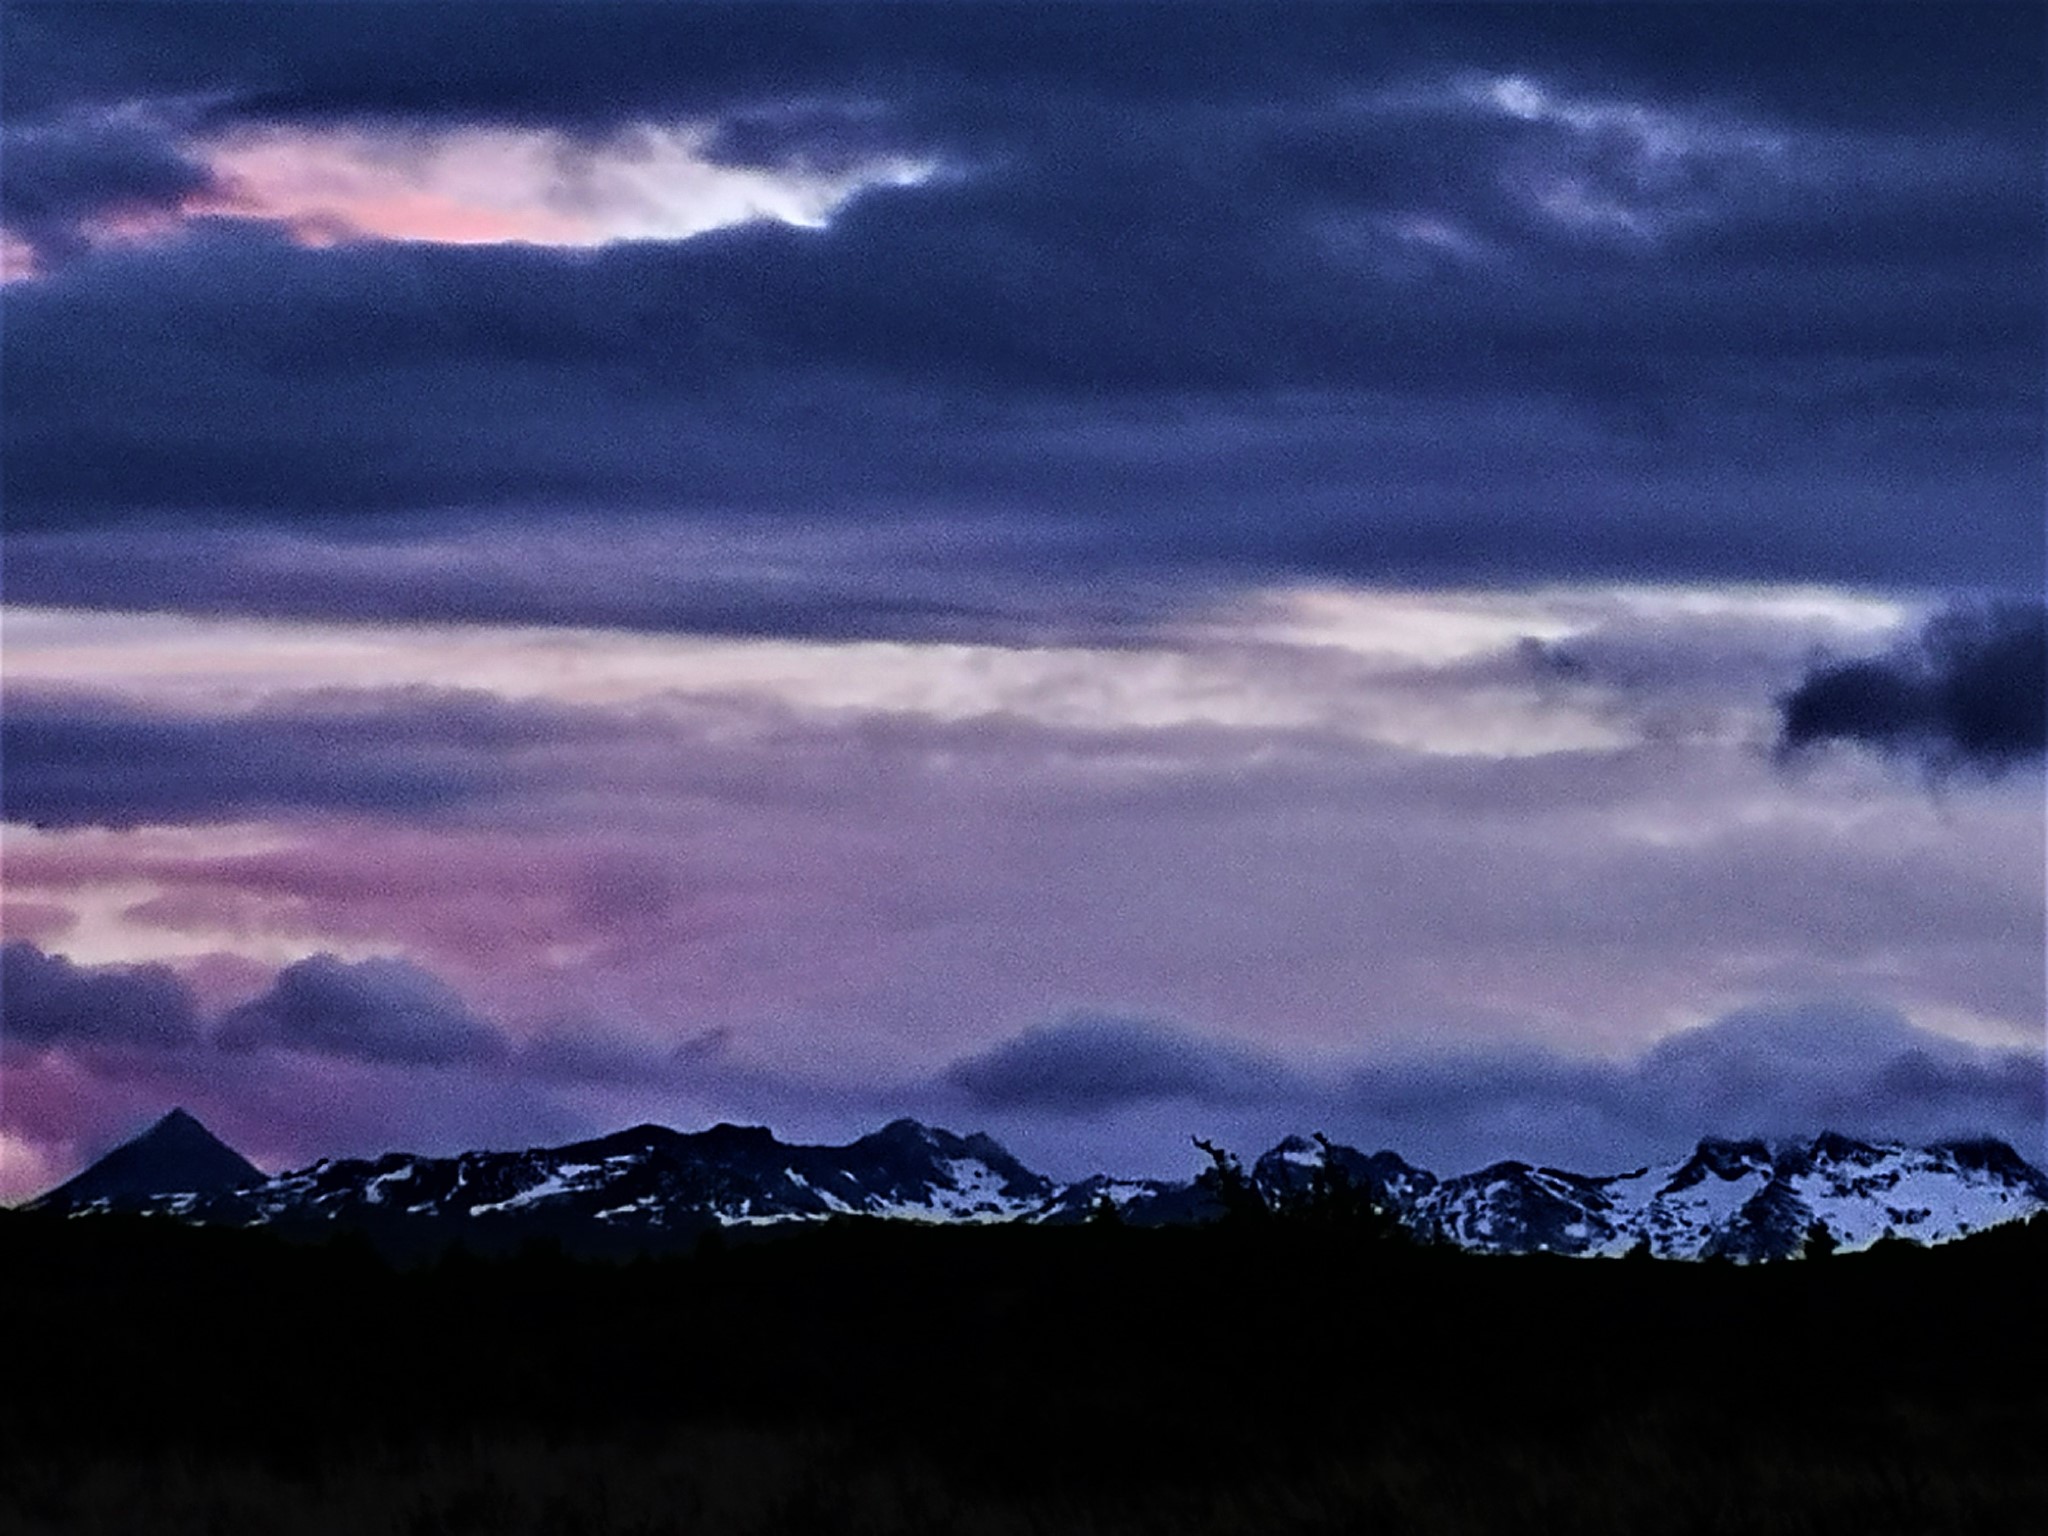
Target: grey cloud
pixel 1087 1064
pixel 46 1000
pixel 1770 1071
pixel 370 1010
pixel 1969 691
pixel 1776 1071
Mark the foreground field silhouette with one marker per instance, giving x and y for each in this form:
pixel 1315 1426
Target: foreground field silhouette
pixel 868 1377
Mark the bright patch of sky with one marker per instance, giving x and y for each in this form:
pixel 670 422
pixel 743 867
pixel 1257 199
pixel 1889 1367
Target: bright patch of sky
pixel 1318 656
pixel 487 185
pixel 110 910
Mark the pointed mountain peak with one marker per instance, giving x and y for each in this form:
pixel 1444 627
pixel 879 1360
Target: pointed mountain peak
pixel 908 1136
pixel 182 1123
pixel 175 1156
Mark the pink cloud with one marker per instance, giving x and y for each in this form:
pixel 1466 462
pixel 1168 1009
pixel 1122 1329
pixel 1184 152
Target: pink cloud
pixel 17 259
pixel 484 186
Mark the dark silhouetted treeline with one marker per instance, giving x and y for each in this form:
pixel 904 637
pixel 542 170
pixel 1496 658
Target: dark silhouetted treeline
pixel 1258 1376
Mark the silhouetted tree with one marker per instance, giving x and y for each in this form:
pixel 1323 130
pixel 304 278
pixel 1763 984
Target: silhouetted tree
pixel 1225 1178
pixel 1340 1204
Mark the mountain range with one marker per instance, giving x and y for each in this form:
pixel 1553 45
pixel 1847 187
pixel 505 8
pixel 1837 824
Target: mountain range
pixel 651 1186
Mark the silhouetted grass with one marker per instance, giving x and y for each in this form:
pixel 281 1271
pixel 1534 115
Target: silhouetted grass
pixel 1091 1379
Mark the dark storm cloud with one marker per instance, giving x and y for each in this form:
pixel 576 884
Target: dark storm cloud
pixel 56 176
pixel 1086 1064
pixel 80 760
pixel 598 64
pixel 595 65
pixel 661 377
pixel 1190 291
pixel 45 1000
pixel 371 1010
pixel 1970 690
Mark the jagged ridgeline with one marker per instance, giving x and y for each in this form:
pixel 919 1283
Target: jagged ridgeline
pixel 654 1187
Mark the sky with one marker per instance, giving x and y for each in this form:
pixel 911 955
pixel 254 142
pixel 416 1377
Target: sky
pixel 1469 577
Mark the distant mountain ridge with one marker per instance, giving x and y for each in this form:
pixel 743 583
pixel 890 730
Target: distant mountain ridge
pixel 1727 1199
pixel 1741 1200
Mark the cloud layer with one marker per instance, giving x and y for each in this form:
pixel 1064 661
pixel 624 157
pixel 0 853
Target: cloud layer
pixel 397 1054
pixel 1778 1072
pixel 1405 293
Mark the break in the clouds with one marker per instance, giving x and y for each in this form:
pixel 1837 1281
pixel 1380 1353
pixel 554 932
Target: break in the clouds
pixel 693 561
pixel 1970 690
